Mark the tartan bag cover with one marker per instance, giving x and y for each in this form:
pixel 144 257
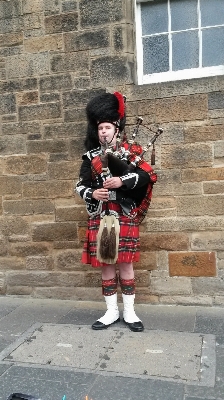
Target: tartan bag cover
pixel 140 211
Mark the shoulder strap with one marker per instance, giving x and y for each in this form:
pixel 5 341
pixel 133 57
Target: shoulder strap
pixel 96 166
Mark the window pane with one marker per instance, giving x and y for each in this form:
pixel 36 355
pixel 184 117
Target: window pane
pixel 212 47
pixel 185 46
pixel 212 12
pixel 156 54
pixel 154 17
pixel 183 14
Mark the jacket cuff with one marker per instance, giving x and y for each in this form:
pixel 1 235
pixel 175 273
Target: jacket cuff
pixel 129 181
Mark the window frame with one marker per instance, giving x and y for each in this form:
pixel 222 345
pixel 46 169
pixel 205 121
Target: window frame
pixel 200 72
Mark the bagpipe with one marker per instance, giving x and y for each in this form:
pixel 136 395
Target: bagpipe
pixel 119 160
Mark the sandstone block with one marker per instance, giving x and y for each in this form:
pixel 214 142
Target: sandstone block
pixel 50 97
pixel 118 38
pixel 192 264
pixel 202 174
pixel 11 39
pixel 215 100
pixel 27 65
pixel 45 279
pixel 187 156
pixel 27 98
pixel 77 62
pixel 75 114
pixel 10 263
pixel 78 200
pixel 47 146
pixel 210 240
pixel 147 261
pixel 79 97
pixel 213 188
pixel 69 5
pixel 32 21
pixel 9 118
pixel 56 157
pixel 3 246
pixel 166 241
pixel 203 133
pixel 13 225
pixel 41 44
pixel 69 293
pixel 19 290
pixel 12 145
pixel 111 71
pixel 93 279
pixel 27 249
pixel 218 151
pixel 51 7
pixel 181 108
pixel 21 128
pixel 28 207
pixel 184 224
pixel 40 111
pixel 2 283
pixel 163 202
pixel 61 23
pixel 10 51
pixel 62 170
pixel 171 286
pixel 142 278
pixel 87 40
pixel 109 11
pixel 18 85
pixel 168 176
pixel 82 83
pixel 69 260
pixel 207 286
pixel 144 296
pixel 7 103
pixel 10 185
pixel 55 82
pixel 49 189
pixel 81 233
pixel 62 130
pixel 39 263
pixel 35 6
pixel 187 300
pixel 19 165
pixel 2 74
pixel 54 231
pixel 10 24
pixel 63 244
pixel 76 150
pixel 71 213
pixel 10 9
pixel 200 205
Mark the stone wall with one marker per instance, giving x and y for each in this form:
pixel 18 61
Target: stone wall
pixel 54 56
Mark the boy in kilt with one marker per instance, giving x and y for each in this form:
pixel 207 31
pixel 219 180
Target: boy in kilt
pixel 125 195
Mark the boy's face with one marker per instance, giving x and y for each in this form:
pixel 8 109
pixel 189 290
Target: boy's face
pixel 108 132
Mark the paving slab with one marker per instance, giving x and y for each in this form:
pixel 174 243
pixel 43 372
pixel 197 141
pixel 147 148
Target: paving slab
pixel 184 357
pixel 46 384
pixel 118 388
pixel 168 318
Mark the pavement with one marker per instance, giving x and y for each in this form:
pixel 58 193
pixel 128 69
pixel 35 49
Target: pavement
pixel 48 350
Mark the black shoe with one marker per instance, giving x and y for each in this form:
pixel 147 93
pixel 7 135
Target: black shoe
pixel 135 326
pixel 99 325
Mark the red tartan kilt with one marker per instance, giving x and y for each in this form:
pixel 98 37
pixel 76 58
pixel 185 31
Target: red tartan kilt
pixel 128 250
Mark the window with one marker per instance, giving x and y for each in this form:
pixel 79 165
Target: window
pixel 179 39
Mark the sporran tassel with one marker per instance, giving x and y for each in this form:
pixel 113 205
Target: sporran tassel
pixel 108 239
pixel 114 239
